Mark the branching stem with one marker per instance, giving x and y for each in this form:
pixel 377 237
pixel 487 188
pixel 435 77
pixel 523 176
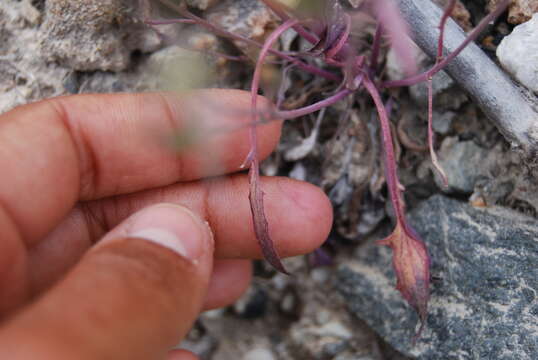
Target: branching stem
pixel 226 34
pixel 291 114
pixel 439 66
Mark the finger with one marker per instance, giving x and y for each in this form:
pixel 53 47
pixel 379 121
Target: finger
pixel 14 276
pixel 133 296
pixel 230 279
pixel 299 215
pixel 181 354
pixel 91 146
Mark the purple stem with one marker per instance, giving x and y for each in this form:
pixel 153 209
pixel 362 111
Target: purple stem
pixel 342 40
pixel 291 114
pixel 439 66
pixel 270 115
pixel 446 14
pixel 281 11
pixel 215 29
pixel 261 226
pixel 391 173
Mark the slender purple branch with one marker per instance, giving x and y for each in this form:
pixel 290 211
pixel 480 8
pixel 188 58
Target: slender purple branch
pixel 410 257
pixel 436 68
pixel 446 14
pixel 391 173
pixel 255 85
pixel 261 226
pixel 291 114
pixel 440 45
pixel 342 40
pixel 281 11
pixel 215 29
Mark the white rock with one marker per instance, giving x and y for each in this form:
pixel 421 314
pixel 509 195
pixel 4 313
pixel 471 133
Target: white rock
pixel 320 275
pixel 259 354
pixel 335 329
pixel 518 53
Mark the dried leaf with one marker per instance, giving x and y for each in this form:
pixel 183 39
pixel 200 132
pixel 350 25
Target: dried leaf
pixel 335 21
pixel 412 266
pixel 261 226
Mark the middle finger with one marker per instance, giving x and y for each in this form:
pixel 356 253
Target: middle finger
pixel 299 215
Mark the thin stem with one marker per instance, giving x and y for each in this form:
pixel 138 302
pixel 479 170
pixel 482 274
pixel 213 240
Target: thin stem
pixel 202 22
pixel 410 257
pixel 215 29
pixel 446 14
pixel 436 68
pixel 307 67
pixel 255 85
pixel 433 155
pixel 342 40
pixel 291 114
pixel 281 11
pixel 391 172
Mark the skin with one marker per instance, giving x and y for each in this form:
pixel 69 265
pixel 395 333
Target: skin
pixel 79 172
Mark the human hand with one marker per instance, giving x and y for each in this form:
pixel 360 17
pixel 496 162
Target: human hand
pixel 85 195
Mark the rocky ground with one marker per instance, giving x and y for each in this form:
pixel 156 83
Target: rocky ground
pixel 481 231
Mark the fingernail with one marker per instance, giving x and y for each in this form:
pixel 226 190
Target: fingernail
pixel 173 227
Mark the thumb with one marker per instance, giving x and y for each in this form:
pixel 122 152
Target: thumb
pixel 133 296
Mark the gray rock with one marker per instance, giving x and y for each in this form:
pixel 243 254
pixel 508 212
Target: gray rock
pixel 24 77
pixel 518 53
pixel 485 304
pixel 259 354
pixel 249 18
pixel 442 122
pixel 94 35
pixel 463 163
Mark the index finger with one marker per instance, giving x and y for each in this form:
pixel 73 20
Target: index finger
pixel 59 151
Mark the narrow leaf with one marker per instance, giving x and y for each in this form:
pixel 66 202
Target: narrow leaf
pixel 261 226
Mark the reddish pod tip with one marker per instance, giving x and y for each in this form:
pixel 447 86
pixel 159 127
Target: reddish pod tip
pixel 412 266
